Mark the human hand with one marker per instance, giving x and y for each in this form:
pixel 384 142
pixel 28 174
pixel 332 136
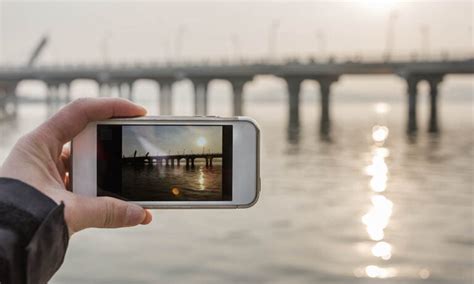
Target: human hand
pixel 41 159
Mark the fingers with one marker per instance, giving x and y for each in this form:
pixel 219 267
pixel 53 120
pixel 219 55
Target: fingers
pixel 65 159
pixel 148 218
pixel 73 118
pixel 106 212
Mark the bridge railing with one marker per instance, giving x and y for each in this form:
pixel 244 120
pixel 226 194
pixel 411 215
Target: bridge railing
pixel 174 156
pixel 281 60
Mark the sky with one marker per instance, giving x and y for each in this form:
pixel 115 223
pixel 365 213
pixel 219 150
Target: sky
pixel 162 140
pixel 128 31
pixel 82 32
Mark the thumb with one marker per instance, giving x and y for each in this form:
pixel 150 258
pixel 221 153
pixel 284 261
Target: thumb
pixel 107 212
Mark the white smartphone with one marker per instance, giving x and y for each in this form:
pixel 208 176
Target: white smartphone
pixel 170 162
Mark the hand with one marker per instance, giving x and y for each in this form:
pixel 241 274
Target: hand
pixel 41 159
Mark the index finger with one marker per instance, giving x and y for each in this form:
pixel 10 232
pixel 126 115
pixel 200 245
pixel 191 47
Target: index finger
pixel 74 117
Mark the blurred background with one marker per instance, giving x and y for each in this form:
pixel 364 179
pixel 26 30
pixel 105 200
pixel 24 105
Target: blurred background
pixel 366 112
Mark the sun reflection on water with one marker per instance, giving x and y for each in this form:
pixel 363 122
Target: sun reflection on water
pixel 379 133
pixel 378 216
pixel 376 220
pixel 201 179
pixel 374 271
pixel 381 108
pixel 382 250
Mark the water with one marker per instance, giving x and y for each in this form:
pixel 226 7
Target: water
pixel 154 182
pixel 350 211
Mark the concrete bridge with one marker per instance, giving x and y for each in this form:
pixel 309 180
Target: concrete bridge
pixel 171 160
pixel 122 77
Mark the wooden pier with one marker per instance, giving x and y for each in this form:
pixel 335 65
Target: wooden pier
pixel 172 160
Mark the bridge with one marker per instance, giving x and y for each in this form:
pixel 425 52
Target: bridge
pixel 122 77
pixel 169 160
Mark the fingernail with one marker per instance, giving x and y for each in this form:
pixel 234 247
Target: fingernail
pixel 135 215
pixel 142 107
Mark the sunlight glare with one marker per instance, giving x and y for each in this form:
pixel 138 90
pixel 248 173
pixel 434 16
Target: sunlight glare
pixel 381 152
pixel 382 250
pixel 201 141
pixel 376 220
pixel 379 133
pixel 201 179
pixel 382 108
pixel 374 271
pixel 378 169
pixel 378 183
pixel 379 4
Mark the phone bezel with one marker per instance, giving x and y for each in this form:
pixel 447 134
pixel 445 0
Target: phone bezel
pixel 245 162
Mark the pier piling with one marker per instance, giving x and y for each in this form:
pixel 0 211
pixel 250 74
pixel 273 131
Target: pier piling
pixel 433 126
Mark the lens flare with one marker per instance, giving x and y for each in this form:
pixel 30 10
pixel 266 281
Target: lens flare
pixel 201 141
pixel 424 273
pixel 175 191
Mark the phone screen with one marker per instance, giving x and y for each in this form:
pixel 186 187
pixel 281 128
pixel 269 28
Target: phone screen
pixel 165 162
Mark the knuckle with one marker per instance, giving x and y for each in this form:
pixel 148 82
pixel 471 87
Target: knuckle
pixel 80 101
pixel 24 139
pixel 114 213
pixel 108 218
pixel 28 141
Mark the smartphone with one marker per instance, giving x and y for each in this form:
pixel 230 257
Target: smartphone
pixel 170 162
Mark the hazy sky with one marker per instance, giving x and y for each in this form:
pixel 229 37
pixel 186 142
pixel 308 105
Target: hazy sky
pixel 115 31
pixel 129 31
pixel 160 140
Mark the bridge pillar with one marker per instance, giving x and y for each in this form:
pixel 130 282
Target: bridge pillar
pixel 53 96
pixel 433 122
pixel 200 97
pixel 104 90
pixel 120 88
pixel 49 94
pixel 412 91
pixel 9 95
pixel 165 99
pixel 101 90
pixel 114 86
pixel 67 92
pixel 126 90
pixel 14 97
pixel 293 128
pixel 123 89
pixel 3 102
pixel 237 87
pixel 207 162
pixel 293 102
pixel 192 163
pixel 325 89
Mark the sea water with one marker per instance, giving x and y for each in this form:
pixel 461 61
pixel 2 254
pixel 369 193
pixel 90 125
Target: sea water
pixel 369 204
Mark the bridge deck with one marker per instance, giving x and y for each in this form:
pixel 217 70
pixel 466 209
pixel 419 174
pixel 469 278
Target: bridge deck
pixel 176 157
pixel 121 72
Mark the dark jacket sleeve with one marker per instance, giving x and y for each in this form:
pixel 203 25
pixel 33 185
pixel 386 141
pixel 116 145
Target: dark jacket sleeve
pixel 33 234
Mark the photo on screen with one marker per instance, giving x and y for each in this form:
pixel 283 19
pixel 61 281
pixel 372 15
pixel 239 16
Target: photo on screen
pixel 165 162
